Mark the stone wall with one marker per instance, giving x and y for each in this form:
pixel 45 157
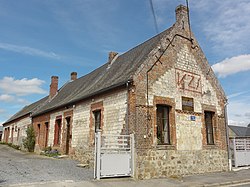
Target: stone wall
pixel 173 163
pixel 114 108
pixel 39 124
pixel 19 130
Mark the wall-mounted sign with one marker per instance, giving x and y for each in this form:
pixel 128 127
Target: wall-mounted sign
pixel 192 118
pixel 188 81
pixel 188 104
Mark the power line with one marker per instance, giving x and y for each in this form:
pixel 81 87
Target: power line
pixel 153 12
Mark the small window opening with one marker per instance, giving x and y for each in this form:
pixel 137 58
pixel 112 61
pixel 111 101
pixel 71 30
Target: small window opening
pixel 163 127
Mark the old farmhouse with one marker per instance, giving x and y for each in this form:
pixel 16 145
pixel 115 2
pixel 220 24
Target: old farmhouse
pixel 163 91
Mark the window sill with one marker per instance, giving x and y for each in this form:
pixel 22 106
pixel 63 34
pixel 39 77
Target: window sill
pixel 188 112
pixel 165 147
pixel 210 146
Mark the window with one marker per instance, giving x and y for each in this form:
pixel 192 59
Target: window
pixel 97 118
pixel 188 104
pixel 57 135
pixel 46 133
pixel 163 134
pixel 18 133
pixel 209 127
pixel 38 133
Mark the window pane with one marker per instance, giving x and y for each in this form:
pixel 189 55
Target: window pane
pixel 163 125
pixel 209 127
pixel 97 116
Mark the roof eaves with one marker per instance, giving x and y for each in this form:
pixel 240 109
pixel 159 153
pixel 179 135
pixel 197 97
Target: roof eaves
pixel 14 119
pixel 84 97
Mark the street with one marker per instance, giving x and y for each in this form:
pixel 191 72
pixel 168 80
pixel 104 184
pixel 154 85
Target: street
pixel 22 169
pixel 17 167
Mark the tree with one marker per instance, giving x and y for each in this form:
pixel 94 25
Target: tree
pixel 29 141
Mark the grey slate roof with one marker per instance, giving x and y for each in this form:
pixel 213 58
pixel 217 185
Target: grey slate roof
pixel 240 131
pixel 248 130
pixel 105 77
pixel 27 109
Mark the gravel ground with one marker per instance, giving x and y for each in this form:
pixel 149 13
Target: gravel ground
pixel 18 167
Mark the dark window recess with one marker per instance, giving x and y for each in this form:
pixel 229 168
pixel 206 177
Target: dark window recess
pixel 163 130
pixel 188 104
pixel 209 127
pixel 38 133
pixel 57 135
pixel 97 118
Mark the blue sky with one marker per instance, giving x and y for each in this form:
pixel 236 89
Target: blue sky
pixel 39 39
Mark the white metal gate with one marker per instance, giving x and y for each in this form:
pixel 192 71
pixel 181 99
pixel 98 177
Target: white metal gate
pixel 240 151
pixel 114 155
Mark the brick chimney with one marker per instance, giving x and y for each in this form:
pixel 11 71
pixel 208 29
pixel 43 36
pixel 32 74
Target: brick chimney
pixel 73 76
pixel 112 55
pixel 53 86
pixel 181 12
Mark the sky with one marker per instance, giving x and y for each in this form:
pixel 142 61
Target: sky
pixel 40 39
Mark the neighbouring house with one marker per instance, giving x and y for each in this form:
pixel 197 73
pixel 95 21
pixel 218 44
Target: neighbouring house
pixel 163 91
pixel 15 127
pixel 239 131
pixel 239 141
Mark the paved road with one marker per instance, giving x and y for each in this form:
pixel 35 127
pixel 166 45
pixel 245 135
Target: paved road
pixel 21 167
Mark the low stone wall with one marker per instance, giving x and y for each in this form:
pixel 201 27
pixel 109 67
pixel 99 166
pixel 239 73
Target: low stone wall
pixel 85 156
pixel 173 163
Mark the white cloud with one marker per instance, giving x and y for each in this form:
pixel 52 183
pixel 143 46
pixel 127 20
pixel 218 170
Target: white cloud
pixel 232 65
pixel 21 87
pixel 28 51
pixel 247 115
pixel 237 123
pixel 239 111
pixel 237 94
pixel 228 27
pixel 2 110
pixel 6 98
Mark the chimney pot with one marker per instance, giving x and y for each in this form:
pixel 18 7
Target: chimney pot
pixel 53 86
pixel 181 12
pixel 112 55
pixel 73 76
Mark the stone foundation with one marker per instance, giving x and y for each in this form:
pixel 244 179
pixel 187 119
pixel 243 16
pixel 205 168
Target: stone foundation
pixel 173 163
pixel 84 156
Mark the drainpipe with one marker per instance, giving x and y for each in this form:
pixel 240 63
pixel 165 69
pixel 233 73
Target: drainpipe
pixel 227 137
pixel 127 110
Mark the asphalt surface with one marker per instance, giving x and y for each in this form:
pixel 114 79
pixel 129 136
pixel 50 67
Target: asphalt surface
pixel 17 167
pixel 22 169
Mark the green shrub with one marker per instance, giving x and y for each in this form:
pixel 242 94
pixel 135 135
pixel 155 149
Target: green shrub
pixel 29 141
pixel 16 147
pixel 47 149
pixel 11 145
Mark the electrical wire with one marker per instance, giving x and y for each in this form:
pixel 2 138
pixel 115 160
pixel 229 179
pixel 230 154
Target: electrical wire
pixel 154 16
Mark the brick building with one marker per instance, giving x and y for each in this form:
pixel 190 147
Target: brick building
pixel 15 127
pixel 163 91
